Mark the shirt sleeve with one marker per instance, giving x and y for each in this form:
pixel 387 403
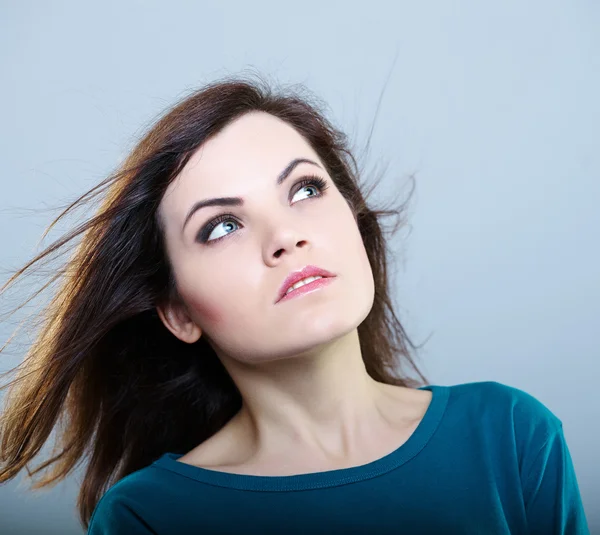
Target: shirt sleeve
pixel 113 517
pixel 552 499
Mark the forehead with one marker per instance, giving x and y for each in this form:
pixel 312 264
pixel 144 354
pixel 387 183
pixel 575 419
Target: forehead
pixel 252 146
pixel 249 153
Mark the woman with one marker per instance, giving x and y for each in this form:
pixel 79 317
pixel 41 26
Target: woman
pixel 224 350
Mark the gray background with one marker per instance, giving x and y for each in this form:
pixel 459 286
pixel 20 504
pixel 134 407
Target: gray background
pixel 494 105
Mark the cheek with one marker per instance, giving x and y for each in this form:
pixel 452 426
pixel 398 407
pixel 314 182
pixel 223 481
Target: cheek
pixel 208 315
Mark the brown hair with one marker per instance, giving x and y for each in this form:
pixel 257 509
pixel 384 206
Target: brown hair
pixel 119 388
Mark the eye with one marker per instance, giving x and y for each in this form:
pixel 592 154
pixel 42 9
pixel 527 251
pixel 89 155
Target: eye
pixel 315 182
pixel 304 188
pixel 207 234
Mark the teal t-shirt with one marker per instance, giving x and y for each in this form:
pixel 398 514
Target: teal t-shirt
pixel 486 458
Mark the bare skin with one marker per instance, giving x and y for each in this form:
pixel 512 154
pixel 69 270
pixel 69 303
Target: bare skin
pixel 309 404
pixel 234 448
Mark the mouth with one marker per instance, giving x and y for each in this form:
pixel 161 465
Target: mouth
pixel 303 281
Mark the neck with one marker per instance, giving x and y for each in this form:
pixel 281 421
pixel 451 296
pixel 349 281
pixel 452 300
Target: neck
pixel 324 404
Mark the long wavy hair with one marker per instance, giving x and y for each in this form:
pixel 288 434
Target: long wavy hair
pixel 103 372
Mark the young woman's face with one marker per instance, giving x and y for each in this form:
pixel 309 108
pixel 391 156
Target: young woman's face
pixel 230 261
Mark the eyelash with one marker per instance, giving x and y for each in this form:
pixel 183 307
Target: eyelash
pixel 310 180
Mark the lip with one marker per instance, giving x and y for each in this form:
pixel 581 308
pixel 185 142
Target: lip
pixel 295 276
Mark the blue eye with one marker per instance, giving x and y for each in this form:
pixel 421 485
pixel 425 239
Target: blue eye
pixel 204 236
pixel 228 218
pixel 306 187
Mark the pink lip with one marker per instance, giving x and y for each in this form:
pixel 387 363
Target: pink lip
pixel 295 276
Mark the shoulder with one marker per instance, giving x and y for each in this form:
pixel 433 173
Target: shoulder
pixel 126 503
pixel 493 395
pixel 121 493
pixel 498 405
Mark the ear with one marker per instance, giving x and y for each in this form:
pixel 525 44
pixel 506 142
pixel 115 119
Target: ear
pixel 176 318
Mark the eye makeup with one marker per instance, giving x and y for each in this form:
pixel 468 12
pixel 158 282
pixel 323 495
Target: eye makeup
pixel 309 180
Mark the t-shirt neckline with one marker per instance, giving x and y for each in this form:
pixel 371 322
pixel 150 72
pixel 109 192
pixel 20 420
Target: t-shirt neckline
pixel 329 478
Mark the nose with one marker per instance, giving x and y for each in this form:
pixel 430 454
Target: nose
pixel 283 250
pixel 284 241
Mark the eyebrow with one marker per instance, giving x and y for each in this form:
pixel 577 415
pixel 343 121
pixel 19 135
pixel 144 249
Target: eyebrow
pixel 238 201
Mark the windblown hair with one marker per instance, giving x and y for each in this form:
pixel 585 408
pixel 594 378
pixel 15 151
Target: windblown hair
pixel 104 373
